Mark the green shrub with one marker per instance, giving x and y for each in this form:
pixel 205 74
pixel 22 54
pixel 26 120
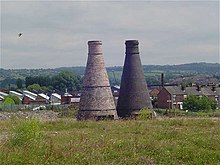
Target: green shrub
pixel 144 114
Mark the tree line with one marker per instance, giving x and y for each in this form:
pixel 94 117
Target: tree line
pixel 62 81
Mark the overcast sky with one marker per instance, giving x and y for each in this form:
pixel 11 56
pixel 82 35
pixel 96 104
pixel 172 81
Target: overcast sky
pixel 55 34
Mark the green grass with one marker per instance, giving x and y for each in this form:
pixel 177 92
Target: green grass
pixel 66 141
pixel 189 114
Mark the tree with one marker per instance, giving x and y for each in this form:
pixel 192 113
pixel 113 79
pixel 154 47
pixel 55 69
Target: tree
pixel 11 99
pixel 153 80
pixel 64 80
pixel 34 88
pixel 41 80
pixel 8 100
pixel 19 83
pixel 195 103
pixel 67 80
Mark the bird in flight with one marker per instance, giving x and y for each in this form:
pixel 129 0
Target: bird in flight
pixel 19 34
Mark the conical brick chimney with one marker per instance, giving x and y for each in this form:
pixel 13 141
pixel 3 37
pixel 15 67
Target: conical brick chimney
pixel 96 101
pixel 133 94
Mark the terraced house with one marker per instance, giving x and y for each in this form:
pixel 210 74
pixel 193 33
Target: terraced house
pixel 172 97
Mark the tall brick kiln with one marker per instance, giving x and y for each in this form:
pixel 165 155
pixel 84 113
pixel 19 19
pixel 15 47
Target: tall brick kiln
pixel 133 94
pixel 96 101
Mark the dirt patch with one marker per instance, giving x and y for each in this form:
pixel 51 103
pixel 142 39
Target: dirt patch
pixel 41 115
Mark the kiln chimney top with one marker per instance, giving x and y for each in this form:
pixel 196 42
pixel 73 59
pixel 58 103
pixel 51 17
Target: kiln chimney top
pixel 131 42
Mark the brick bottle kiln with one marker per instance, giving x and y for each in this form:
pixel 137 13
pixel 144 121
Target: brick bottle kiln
pixel 96 101
pixel 133 94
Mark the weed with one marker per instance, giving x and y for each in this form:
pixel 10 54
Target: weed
pixel 27 132
pixel 144 114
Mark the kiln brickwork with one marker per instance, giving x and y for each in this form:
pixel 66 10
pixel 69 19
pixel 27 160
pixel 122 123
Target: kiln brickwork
pixel 96 98
pixel 133 94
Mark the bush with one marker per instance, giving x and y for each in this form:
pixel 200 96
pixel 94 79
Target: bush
pixel 144 114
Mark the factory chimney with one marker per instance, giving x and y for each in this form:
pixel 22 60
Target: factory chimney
pixel 162 80
pixel 96 101
pixel 133 94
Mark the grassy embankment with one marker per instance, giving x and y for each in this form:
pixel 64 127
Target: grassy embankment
pixel 66 141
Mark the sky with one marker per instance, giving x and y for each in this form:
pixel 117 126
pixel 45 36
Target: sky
pixel 55 33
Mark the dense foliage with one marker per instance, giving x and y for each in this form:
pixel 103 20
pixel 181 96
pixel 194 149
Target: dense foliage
pixel 195 103
pixel 11 99
pixel 64 80
pixel 8 101
pixel 36 88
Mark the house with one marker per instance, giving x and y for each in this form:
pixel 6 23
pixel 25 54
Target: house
pixel 55 99
pixel 217 95
pixel 14 93
pixel 2 95
pixel 153 96
pixel 75 101
pixel 26 92
pixel 154 92
pixel 195 91
pixel 170 97
pixel 66 98
pixel 209 91
pixel 28 97
pixel 1 99
pixel 42 99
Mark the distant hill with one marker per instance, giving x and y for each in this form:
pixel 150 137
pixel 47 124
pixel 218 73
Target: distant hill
pixel 213 68
pixel 10 75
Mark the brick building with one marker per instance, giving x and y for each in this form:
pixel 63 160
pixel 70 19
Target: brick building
pixel 171 97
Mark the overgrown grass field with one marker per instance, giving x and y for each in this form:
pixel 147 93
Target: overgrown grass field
pixel 66 141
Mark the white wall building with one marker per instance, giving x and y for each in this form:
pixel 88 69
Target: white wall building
pixel 55 99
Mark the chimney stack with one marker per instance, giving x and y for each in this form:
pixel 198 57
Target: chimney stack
pixel 214 88
pixel 133 94
pixel 96 101
pixel 199 88
pixel 162 80
pixel 183 87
